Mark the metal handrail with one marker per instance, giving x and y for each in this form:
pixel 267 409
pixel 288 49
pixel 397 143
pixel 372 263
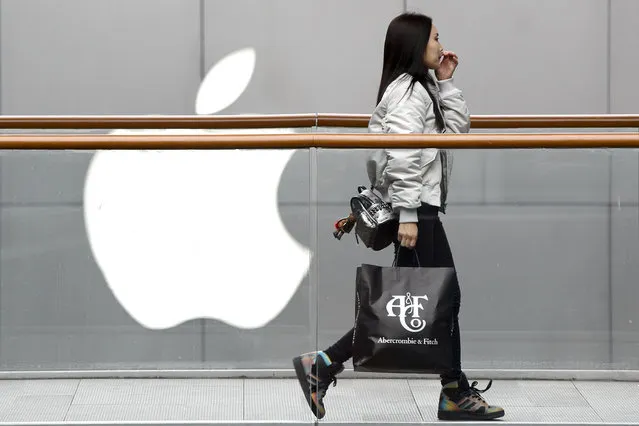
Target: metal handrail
pixel 298 120
pixel 318 140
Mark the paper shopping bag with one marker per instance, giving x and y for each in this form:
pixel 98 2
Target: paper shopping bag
pixel 404 319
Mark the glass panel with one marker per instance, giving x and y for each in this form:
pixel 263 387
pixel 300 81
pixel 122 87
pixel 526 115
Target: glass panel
pixel 155 260
pixel 546 244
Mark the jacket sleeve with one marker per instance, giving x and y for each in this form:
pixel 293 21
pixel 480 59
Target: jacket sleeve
pixel 406 113
pixel 454 107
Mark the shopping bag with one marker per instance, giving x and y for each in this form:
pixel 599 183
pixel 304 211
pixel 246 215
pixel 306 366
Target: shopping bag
pixel 404 319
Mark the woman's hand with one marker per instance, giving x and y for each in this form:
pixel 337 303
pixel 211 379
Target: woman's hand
pixel 407 234
pixel 447 66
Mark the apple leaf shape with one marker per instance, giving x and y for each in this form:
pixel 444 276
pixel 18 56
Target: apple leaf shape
pixel 225 82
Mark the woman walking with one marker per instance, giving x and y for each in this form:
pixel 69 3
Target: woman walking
pixel 415 182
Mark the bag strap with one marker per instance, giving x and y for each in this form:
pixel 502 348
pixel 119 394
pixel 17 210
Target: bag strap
pixel 397 256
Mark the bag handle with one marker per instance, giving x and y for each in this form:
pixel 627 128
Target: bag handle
pixel 397 256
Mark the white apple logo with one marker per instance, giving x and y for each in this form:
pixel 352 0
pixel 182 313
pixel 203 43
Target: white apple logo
pixel 180 235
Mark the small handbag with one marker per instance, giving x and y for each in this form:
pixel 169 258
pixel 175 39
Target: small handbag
pixel 374 221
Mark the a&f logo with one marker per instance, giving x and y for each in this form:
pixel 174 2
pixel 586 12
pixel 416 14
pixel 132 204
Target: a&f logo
pixel 407 305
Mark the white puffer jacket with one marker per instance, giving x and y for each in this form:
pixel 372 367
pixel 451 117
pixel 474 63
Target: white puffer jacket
pixel 408 177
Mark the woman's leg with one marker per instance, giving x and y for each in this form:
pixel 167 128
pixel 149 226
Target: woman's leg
pixel 342 350
pixel 444 258
pixel 457 400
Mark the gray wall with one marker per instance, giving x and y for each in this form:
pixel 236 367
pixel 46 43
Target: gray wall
pixel 546 242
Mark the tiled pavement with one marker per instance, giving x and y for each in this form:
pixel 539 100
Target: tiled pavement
pixel 279 400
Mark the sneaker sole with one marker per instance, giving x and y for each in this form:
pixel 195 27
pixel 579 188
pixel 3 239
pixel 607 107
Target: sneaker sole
pixel 461 415
pixel 301 378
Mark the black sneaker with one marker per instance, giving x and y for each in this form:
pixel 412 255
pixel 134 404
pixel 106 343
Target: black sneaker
pixel 316 372
pixel 460 401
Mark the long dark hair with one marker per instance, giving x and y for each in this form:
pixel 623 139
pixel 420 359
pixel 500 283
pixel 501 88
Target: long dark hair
pixel 406 40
